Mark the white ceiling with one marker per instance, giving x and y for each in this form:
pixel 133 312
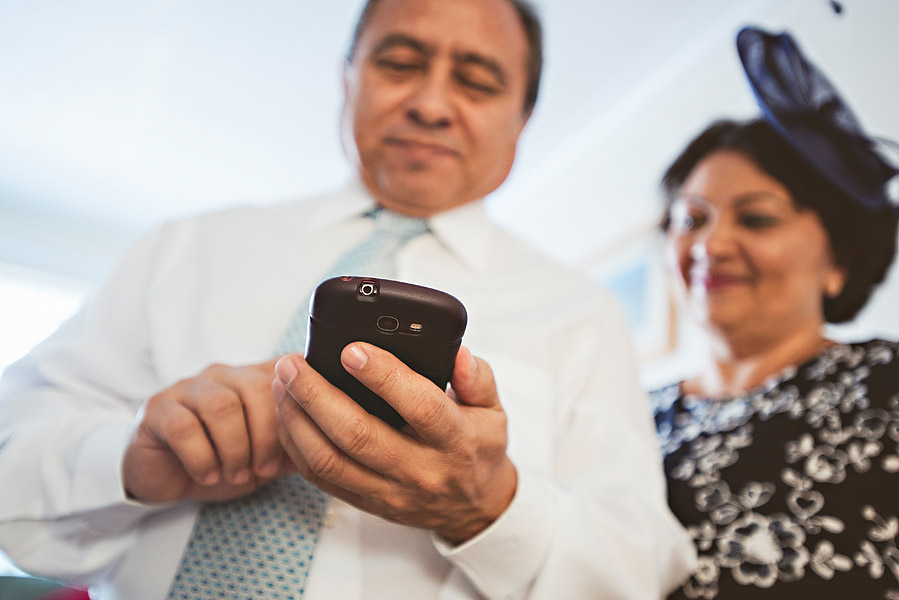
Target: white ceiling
pixel 115 115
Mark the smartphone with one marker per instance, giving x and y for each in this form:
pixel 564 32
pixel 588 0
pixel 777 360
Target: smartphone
pixel 421 326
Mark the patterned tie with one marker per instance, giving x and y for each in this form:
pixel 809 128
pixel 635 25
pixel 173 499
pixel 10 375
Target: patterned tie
pixel 260 546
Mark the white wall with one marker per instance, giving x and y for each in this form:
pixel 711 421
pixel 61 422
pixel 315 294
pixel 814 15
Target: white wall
pixel 117 115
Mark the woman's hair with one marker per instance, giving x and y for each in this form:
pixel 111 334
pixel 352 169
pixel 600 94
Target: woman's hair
pixel 863 241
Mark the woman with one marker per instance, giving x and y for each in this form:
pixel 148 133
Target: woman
pixel 782 456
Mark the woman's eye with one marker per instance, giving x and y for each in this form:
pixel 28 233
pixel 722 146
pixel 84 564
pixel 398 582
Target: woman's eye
pixel 757 221
pixel 687 222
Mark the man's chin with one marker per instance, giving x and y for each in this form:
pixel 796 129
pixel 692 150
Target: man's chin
pixel 418 200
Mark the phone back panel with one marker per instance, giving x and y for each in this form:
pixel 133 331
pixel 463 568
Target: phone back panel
pixel 421 326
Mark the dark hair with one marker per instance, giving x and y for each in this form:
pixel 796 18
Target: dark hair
pixel 532 31
pixel 863 241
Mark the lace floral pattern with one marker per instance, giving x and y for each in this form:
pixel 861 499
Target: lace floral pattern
pixel 791 488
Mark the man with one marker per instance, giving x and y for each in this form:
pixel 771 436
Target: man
pixel 121 425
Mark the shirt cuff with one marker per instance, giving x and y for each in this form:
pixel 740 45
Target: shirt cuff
pixel 97 478
pixel 508 555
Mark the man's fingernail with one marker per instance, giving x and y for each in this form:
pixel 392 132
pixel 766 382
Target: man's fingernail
pixel 269 469
pixel 353 357
pixel 285 370
pixel 241 477
pixel 210 478
pixel 473 364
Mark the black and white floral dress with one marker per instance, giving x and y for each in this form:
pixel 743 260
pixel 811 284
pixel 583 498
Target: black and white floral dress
pixel 791 491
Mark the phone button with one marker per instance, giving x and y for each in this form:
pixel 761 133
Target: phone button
pixel 387 323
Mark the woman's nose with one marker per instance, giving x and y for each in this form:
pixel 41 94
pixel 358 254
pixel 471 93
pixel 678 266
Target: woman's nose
pixel 714 240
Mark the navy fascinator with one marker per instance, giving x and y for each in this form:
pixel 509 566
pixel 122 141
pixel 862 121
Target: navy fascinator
pixel 803 106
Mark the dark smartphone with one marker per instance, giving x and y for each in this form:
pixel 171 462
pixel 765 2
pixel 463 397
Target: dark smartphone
pixel 421 326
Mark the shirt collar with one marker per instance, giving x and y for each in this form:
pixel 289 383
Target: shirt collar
pixel 465 230
pixel 352 200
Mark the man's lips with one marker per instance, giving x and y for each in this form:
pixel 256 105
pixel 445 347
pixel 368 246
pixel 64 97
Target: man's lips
pixel 420 148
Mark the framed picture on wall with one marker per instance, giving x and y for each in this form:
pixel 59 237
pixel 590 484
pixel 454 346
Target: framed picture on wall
pixel 633 269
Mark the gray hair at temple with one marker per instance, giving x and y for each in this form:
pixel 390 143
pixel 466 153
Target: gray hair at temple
pixel 532 30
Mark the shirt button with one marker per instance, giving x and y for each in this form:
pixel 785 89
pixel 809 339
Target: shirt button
pixel 330 519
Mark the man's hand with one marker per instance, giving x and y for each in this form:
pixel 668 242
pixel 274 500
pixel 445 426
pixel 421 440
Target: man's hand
pixel 447 471
pixel 210 437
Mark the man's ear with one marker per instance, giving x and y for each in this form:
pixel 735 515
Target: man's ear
pixel 344 77
pixel 345 125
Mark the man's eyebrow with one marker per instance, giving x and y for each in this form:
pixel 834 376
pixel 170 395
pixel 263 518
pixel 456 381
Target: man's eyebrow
pixel 472 58
pixel 394 40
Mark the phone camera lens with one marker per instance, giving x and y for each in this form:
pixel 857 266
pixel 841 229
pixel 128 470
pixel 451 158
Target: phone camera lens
pixel 368 288
pixel 387 323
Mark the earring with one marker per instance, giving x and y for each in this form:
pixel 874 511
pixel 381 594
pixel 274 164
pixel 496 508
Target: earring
pixel 833 286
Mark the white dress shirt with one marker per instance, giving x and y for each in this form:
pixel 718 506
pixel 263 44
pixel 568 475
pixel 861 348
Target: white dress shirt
pixel 589 518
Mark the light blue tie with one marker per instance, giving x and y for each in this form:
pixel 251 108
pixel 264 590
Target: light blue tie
pixel 260 546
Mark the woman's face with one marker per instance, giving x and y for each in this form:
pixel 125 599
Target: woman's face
pixel 743 254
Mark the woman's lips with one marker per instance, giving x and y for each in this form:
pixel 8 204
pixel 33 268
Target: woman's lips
pixel 717 281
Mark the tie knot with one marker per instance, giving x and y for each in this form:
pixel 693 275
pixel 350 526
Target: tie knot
pixel 398 226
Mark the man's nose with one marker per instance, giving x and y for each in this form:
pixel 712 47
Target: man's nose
pixel 431 103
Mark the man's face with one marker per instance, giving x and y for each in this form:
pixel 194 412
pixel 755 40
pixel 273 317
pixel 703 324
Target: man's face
pixel 434 101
